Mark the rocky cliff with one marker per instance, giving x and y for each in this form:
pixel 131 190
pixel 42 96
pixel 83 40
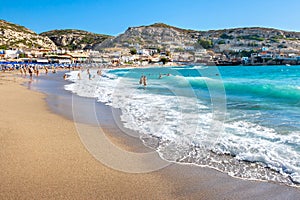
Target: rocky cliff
pixel 15 36
pixel 160 35
pixel 75 39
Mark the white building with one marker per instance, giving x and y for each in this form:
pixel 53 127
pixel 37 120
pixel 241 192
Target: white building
pixel 12 53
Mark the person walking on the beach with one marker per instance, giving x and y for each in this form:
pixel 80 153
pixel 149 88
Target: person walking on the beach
pixel 53 70
pixel 30 70
pixel 79 76
pixel 37 71
pixel 24 71
pixel 46 70
pixel 21 71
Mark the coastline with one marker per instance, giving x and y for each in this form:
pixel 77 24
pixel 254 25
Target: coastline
pixel 50 162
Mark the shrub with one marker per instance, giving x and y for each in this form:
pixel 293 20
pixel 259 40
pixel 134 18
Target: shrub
pixel 133 51
pixel 206 44
pixel 225 36
pixel 164 60
pixel 251 37
pixel 3 47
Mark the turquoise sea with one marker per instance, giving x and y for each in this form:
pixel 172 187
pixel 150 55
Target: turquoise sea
pixel 242 120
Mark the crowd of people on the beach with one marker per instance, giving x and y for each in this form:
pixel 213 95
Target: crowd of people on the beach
pixel 36 69
pixel 33 69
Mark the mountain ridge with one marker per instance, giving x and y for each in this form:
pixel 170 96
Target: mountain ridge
pixel 158 35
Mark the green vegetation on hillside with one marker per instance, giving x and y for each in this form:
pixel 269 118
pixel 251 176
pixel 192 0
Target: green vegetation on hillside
pixel 4 47
pixel 251 37
pixel 225 36
pixel 164 60
pixel 133 51
pixel 205 43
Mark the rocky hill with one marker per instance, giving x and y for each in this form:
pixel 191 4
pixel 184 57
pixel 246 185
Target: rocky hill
pixel 160 35
pixel 75 39
pixel 15 36
pixel 154 36
pixel 251 38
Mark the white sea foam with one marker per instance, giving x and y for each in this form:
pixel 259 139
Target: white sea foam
pixel 199 67
pixel 184 120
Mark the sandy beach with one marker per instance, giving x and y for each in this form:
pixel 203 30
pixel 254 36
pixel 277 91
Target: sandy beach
pixel 42 157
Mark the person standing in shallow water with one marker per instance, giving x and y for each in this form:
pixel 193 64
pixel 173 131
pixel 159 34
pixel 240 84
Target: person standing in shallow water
pixel 141 79
pixel 99 72
pixel 144 80
pixel 89 74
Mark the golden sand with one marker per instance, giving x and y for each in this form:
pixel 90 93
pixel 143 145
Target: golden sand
pixel 42 156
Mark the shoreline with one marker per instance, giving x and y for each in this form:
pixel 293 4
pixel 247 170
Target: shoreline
pixel 176 181
pixel 138 146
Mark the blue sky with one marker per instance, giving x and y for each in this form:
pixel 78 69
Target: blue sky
pixel 115 16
